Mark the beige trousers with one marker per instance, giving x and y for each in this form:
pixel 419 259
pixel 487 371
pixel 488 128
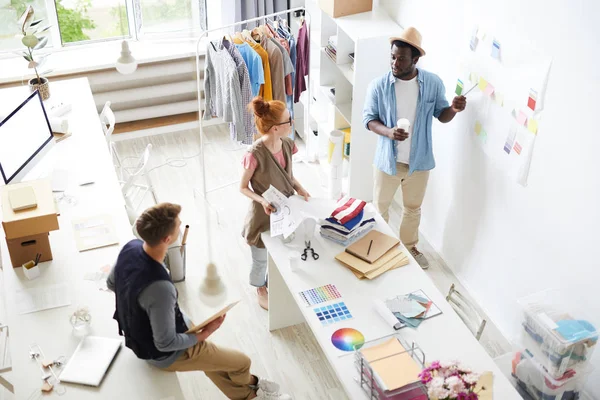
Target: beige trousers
pixel 228 369
pixel 413 192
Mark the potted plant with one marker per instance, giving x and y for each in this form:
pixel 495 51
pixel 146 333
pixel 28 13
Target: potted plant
pixel 34 39
pixel 450 380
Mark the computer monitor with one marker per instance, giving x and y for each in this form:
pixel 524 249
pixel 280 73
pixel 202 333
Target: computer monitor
pixel 25 137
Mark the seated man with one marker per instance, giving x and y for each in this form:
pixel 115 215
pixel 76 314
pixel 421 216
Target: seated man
pixel 153 325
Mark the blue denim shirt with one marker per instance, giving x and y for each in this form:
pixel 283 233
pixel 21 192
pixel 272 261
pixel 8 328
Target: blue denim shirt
pixel 380 104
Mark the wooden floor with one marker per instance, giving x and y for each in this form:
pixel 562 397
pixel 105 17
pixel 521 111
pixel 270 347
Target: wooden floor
pixel 289 356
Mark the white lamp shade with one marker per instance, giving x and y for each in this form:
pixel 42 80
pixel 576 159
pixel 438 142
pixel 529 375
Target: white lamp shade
pixel 126 64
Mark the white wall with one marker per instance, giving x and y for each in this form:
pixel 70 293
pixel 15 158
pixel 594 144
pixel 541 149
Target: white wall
pixel 504 241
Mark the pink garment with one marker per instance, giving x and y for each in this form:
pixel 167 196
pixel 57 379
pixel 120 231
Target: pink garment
pixel 249 161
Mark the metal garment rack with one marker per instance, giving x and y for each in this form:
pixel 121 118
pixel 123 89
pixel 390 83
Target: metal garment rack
pixel 212 279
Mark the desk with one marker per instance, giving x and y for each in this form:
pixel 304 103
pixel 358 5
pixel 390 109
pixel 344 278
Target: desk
pixel 86 149
pixel 443 337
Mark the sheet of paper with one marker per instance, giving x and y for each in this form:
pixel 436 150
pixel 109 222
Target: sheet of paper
pixel 482 84
pixel 459 88
pixel 283 221
pixel 522 118
pixel 485 386
pixel 489 89
pixel 499 99
pixel 477 127
pixel 496 50
pixel 42 298
pixel 94 232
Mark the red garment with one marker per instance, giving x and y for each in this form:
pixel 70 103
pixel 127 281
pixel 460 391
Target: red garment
pixel 302 61
pixel 348 209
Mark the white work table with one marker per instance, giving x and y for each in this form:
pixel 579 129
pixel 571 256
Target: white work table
pixel 443 337
pixel 85 152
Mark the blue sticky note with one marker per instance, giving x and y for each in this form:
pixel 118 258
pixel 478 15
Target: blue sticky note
pixel 496 50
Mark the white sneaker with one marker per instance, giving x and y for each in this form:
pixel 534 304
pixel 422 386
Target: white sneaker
pixel 269 390
pixel 262 395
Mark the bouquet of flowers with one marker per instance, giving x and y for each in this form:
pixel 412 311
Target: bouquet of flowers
pixel 450 380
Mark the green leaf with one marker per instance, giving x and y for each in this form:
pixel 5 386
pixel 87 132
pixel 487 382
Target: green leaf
pixel 27 57
pixel 41 44
pixel 43 30
pixel 26 18
pixel 34 23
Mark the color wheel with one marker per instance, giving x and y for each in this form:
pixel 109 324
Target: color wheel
pixel 347 339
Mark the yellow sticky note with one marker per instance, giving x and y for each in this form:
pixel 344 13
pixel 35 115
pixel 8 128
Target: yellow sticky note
pixel 477 127
pixel 473 77
pixel 499 99
pixel 532 125
pixel 482 84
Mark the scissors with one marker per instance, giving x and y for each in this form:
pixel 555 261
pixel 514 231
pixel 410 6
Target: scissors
pixel 308 248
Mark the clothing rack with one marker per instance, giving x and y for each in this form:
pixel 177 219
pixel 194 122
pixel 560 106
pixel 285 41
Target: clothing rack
pixel 212 282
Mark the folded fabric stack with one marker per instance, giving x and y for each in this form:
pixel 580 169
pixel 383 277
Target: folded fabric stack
pixel 534 379
pixel 331 48
pixel 348 222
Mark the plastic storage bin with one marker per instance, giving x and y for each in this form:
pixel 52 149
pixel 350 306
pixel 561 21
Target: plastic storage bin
pixel 534 379
pixel 556 338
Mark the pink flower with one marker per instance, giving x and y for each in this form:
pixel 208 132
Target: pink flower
pixel 435 365
pixel 473 396
pixel 425 376
pixel 462 396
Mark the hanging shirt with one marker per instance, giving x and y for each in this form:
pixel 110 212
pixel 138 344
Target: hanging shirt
pixel 288 66
pixel 222 90
pixel 276 64
pixel 254 65
pixel 266 90
pixel 407 93
pixel 302 61
pixel 245 133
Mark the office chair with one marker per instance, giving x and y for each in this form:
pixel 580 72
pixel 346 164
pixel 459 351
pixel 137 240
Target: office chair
pixel 466 312
pixel 108 120
pixel 131 189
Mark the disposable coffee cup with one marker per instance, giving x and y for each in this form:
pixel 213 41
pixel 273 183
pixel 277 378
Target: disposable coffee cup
pixel 403 123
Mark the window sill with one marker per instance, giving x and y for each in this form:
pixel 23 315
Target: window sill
pixel 93 57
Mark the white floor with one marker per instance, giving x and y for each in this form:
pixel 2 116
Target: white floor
pixel 290 356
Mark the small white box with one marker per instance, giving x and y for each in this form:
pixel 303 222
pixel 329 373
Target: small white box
pixel 32 272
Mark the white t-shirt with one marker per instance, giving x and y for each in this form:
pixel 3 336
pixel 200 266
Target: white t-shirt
pixel 407 93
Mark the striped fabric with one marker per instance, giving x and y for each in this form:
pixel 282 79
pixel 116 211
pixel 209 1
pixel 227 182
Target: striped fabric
pixel 347 209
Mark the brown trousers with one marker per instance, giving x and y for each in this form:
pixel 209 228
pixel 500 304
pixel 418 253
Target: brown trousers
pixel 228 369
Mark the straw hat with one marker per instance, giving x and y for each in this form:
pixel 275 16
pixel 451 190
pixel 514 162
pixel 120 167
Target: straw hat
pixel 411 36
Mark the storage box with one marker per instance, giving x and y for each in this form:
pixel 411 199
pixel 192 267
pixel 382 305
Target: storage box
pixel 532 378
pixel 341 8
pixel 34 221
pixel 25 249
pixel 559 340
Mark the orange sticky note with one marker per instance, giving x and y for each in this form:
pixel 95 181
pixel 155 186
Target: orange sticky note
pixel 477 127
pixel 532 125
pixel 482 84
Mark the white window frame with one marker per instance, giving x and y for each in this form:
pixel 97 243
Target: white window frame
pixel 135 27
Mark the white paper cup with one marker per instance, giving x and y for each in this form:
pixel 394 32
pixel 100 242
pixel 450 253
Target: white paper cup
pixel 294 258
pixel 403 123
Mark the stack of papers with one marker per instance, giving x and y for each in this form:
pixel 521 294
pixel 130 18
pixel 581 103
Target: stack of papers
pixel 412 309
pixel 392 365
pixel 373 255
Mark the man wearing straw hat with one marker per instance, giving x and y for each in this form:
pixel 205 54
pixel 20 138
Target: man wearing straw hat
pixel 399 108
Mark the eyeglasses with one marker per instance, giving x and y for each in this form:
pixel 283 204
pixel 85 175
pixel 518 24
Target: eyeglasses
pixel 283 123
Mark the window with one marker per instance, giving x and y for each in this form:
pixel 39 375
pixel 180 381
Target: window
pixel 10 11
pixel 84 21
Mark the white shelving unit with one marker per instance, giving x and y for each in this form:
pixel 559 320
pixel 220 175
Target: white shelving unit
pixel 367 36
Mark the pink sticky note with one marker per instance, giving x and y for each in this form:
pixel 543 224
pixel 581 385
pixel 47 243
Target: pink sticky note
pixel 522 118
pixel 489 89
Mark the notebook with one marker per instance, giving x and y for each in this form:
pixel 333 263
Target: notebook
pixel 90 361
pixel 394 367
pixel 364 267
pixel 198 328
pixel 396 262
pixel 22 198
pixel 380 244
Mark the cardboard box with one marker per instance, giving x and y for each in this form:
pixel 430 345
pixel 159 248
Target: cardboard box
pixel 24 249
pixel 341 8
pixel 34 221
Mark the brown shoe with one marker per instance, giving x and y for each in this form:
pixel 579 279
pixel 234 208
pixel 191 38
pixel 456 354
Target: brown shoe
pixel 263 297
pixel 419 257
